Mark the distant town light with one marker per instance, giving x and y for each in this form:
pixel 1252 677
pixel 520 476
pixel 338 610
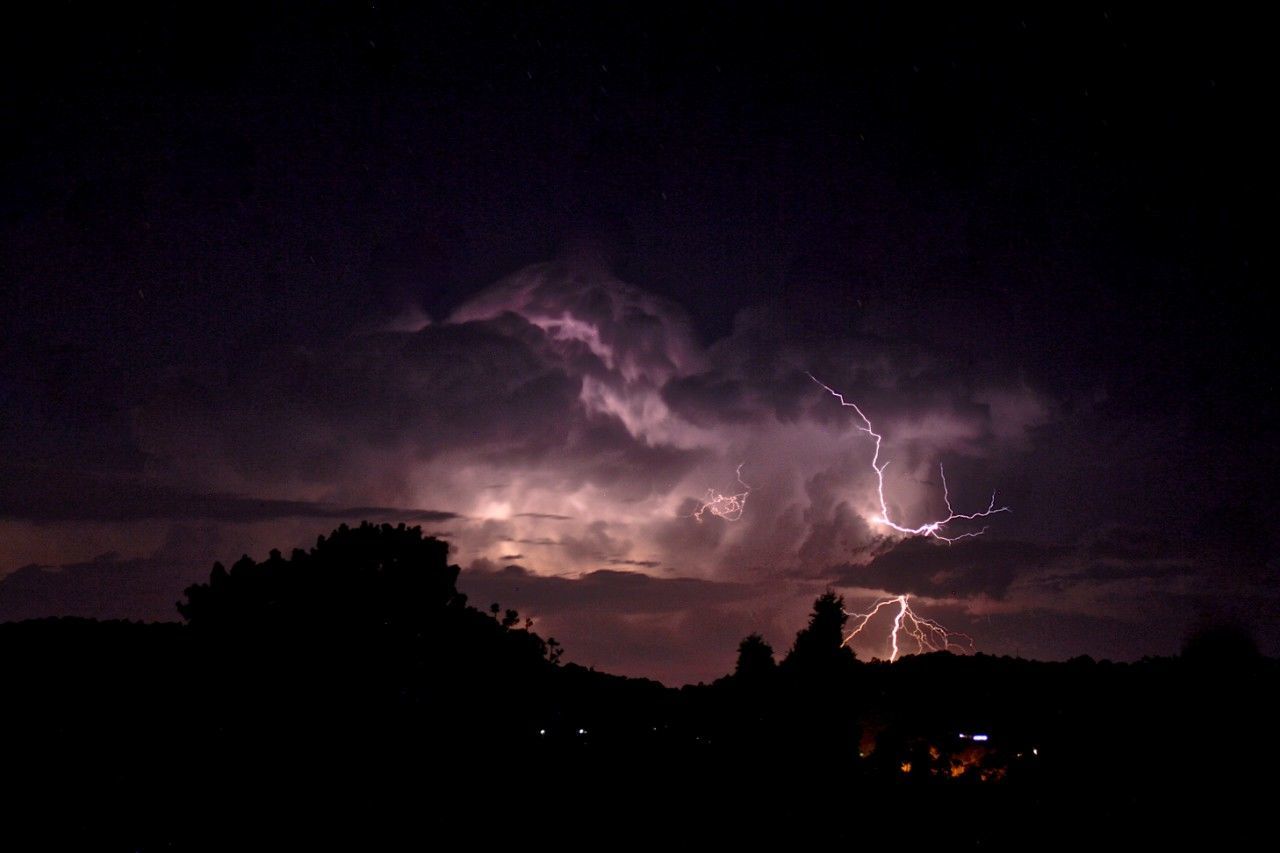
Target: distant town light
pixel 542 731
pixel 963 736
pixel 980 737
pixel 582 731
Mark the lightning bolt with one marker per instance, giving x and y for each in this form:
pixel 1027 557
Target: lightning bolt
pixel 729 507
pixel 928 634
pixel 932 528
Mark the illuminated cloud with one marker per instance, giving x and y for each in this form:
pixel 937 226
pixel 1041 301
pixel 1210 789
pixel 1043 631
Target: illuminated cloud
pixel 578 418
pixel 574 424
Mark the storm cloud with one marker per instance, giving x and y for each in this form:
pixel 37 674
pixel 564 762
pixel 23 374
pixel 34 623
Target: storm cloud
pixel 62 496
pixel 574 423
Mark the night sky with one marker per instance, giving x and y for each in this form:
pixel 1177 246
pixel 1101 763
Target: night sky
pixel 537 279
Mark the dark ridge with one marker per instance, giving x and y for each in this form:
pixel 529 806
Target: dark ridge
pixel 351 693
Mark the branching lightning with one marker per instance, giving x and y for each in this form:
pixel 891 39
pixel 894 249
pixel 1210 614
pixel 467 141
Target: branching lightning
pixel 730 506
pixel 928 634
pixel 931 528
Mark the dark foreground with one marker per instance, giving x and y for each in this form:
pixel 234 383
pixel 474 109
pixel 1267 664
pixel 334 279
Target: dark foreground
pixel 351 696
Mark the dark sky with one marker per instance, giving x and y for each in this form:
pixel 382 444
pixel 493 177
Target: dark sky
pixel 539 278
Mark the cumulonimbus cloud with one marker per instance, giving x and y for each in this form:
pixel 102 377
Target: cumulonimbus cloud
pixel 563 405
pixel 577 420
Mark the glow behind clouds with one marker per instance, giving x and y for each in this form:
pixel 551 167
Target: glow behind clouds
pixel 627 459
pixel 567 427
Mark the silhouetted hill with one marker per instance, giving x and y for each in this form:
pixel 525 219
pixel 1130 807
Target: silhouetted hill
pixel 349 693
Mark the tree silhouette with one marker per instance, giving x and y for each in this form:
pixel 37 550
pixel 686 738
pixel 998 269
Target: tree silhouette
pixel 376 599
pixel 1220 643
pixel 755 659
pixel 819 647
pixel 372 574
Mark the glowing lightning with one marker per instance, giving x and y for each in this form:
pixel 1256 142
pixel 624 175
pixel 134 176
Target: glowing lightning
pixel 928 634
pixel 931 528
pixel 728 507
